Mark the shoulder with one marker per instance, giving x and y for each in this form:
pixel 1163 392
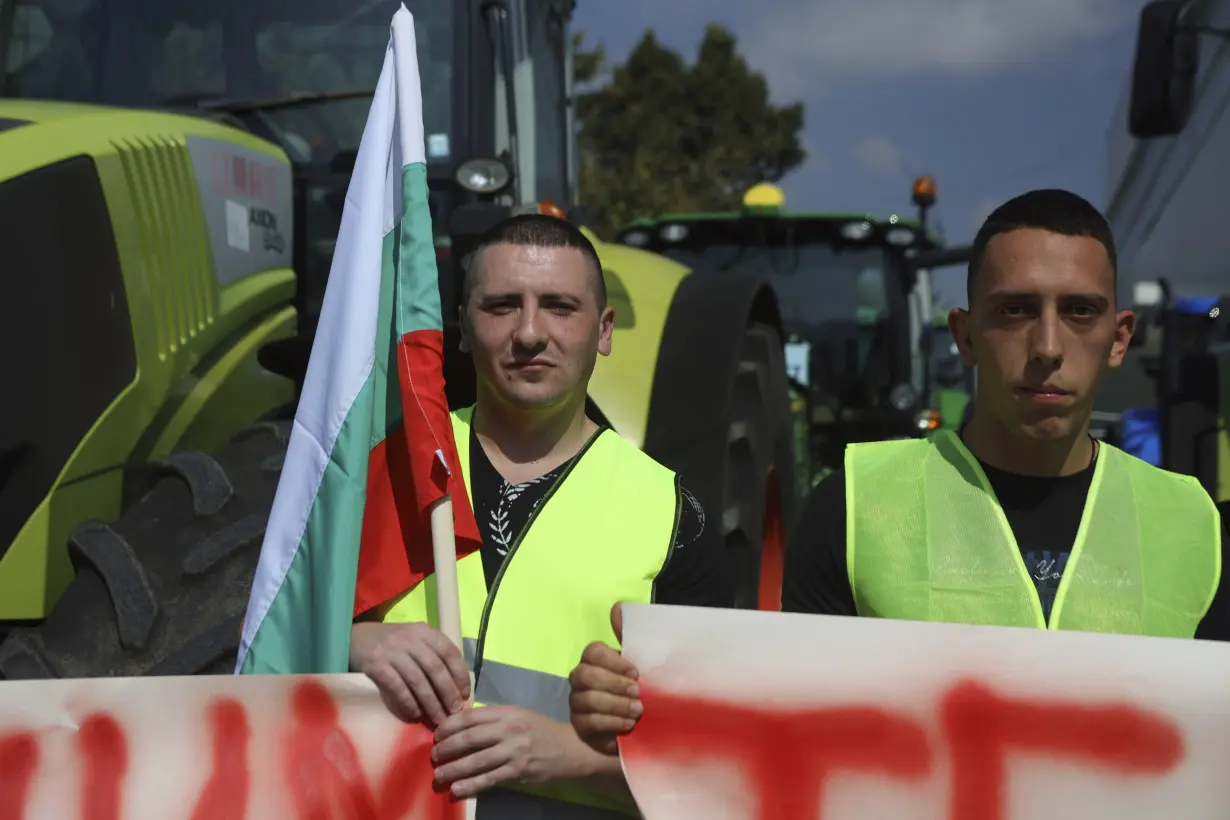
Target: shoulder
pixel 826 501
pixel 691 519
pixel 608 441
pixel 699 570
pixel 815 577
pixel 1149 479
pixel 869 456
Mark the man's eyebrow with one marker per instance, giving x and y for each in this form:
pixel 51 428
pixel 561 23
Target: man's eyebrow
pixel 549 296
pixel 1026 296
pixel 567 297
pixel 1095 298
pixel 1020 295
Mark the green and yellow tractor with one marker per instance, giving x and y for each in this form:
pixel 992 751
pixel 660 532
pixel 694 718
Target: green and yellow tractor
pixel 855 297
pixel 950 380
pixel 172 178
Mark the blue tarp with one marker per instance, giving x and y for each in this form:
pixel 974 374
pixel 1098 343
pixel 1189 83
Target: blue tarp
pixel 1141 428
pixel 1195 305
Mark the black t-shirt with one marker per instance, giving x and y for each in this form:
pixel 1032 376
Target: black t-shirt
pixel 1044 513
pixel 698 571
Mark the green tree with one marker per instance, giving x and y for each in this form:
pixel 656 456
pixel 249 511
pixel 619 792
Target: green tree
pixel 658 134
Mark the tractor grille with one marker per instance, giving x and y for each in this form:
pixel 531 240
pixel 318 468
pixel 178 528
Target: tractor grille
pixel 173 247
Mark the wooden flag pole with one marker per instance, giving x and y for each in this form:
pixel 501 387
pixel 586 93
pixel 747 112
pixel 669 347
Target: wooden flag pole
pixel 444 554
pixel 448 595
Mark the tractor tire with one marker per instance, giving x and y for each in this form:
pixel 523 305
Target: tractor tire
pixel 759 491
pixel 730 437
pixel 164 589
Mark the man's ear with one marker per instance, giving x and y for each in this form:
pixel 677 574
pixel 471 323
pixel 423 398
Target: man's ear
pixel 606 327
pixel 464 346
pixel 959 327
pixel 1125 327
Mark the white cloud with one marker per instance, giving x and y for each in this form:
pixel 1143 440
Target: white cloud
pixel 802 43
pixel 880 156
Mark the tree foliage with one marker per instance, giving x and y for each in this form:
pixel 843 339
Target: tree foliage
pixel 660 135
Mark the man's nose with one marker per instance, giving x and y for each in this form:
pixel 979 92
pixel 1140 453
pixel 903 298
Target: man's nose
pixel 529 327
pixel 1045 343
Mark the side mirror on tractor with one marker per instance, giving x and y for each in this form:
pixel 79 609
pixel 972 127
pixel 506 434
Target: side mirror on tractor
pixel 1164 69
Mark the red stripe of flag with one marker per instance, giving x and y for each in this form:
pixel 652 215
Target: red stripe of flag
pixel 405 477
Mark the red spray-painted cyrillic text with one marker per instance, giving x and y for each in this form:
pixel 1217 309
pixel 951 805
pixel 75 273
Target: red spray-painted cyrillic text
pixel 789 754
pixel 321 765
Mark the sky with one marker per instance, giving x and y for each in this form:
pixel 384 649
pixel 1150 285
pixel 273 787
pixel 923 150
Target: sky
pixel 991 97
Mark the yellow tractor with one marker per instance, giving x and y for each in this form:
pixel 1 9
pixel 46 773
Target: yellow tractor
pixel 172 177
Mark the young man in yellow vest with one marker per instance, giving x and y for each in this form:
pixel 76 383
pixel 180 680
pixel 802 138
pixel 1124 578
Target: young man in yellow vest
pixel 1021 519
pixel 573 517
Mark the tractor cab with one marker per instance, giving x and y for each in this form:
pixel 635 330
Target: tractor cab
pixel 300 74
pixel 854 306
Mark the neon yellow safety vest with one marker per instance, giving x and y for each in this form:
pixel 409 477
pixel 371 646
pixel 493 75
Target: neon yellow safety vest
pixel 601 534
pixel 927 540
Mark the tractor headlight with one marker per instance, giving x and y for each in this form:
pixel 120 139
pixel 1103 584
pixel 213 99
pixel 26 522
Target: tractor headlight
pixel 856 231
pixel 483 175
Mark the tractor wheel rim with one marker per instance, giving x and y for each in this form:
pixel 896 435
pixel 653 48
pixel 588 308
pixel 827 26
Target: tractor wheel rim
pixel 772 547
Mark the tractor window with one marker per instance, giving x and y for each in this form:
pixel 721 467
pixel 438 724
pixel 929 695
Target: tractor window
pixel 68 343
pixel 540 89
pixel 545 38
pixel 816 282
pixel 836 295
pixel 181 52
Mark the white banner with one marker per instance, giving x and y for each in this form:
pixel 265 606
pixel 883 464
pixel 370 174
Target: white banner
pixel 793 717
pixel 212 748
pixel 747 715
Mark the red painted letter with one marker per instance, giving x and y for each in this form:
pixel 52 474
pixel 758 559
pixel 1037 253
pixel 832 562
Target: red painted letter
pixel 18 763
pixel 324 774
pixel 225 796
pixel 788 754
pixel 104 752
pixel 983 728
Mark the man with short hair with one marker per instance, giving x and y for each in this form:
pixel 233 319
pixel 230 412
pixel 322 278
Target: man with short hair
pixel 1020 519
pixel 573 517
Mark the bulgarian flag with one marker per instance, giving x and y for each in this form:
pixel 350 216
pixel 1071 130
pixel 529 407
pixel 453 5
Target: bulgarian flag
pixel 371 459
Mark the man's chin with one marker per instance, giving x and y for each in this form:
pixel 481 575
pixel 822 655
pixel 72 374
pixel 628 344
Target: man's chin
pixel 530 396
pixel 1049 428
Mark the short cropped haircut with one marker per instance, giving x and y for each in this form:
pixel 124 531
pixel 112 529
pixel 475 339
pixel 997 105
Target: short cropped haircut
pixel 536 231
pixel 1049 209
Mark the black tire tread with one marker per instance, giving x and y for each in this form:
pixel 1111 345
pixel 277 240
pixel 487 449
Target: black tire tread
pixel 723 453
pixel 163 589
pixel 206 480
pixel 97 546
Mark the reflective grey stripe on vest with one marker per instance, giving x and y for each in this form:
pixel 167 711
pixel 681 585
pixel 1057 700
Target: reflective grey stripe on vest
pixel 506 804
pixel 503 685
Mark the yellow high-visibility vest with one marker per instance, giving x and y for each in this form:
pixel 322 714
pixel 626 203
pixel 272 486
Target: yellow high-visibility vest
pixel 927 540
pixel 601 534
